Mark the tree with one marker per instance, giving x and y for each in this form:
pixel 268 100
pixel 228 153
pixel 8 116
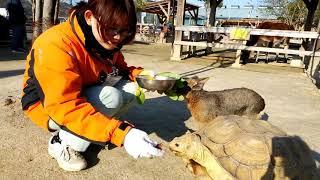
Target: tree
pixel 36 18
pixel 213 4
pixel 294 12
pixel 312 7
pixel 140 5
pixel 44 15
pixel 50 13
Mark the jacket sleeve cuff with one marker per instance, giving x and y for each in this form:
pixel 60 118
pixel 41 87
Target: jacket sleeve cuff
pixel 135 72
pixel 120 132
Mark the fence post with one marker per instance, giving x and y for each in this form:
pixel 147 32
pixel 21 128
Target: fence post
pixel 177 49
pixel 313 70
pixel 237 63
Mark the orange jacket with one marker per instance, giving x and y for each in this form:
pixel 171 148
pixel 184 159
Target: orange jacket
pixel 58 68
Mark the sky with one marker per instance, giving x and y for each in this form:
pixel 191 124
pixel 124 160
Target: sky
pixel 230 2
pixel 228 12
pixel 225 2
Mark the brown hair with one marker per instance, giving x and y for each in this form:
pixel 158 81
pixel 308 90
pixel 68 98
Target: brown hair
pixel 112 14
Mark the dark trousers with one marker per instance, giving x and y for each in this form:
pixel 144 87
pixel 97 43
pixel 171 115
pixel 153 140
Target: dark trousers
pixel 18 35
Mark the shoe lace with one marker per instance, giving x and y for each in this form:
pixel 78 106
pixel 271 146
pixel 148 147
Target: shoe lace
pixel 68 153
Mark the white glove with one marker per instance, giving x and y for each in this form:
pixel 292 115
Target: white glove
pixel 138 144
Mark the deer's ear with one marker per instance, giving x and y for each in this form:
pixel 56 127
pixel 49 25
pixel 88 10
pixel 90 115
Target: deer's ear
pixel 200 83
pixel 203 80
pixel 195 77
pixel 191 82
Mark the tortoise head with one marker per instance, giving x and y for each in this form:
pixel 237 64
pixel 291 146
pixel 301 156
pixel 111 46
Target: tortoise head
pixel 186 146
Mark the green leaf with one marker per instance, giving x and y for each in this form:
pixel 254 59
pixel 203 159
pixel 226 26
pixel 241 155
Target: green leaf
pixel 140 96
pixel 180 98
pixel 180 84
pixel 173 97
pixel 170 74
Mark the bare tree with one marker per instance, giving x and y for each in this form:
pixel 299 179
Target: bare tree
pixel 45 15
pixel 56 12
pixel 212 4
pixel 36 18
pixel 312 7
pixel 49 7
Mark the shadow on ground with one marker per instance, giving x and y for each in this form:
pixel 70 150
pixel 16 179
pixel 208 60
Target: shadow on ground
pixel 7 55
pixel 4 74
pixel 161 116
pixel 296 157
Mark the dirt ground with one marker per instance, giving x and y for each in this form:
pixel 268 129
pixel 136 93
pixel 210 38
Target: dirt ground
pixel 292 103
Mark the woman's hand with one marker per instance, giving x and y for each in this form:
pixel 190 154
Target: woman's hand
pixel 138 144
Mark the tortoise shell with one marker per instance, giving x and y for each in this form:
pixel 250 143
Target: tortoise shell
pixel 255 149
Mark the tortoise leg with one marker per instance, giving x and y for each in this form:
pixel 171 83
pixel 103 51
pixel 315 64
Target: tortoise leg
pixel 197 169
pixel 189 165
pixel 194 167
pixel 203 178
pixel 254 116
pixel 204 157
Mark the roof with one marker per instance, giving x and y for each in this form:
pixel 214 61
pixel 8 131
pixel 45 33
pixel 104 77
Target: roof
pixel 154 7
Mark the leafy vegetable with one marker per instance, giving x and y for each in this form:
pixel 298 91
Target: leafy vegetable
pixel 140 96
pixel 180 83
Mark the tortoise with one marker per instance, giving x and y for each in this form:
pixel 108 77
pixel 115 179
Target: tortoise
pixel 237 147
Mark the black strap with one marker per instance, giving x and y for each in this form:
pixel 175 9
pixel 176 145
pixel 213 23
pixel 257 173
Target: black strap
pixel 123 126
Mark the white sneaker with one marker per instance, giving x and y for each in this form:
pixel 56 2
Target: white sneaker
pixel 68 159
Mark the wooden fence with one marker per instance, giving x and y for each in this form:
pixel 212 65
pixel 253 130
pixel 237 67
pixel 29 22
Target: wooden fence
pixel 177 53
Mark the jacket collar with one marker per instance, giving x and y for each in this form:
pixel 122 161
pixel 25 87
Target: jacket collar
pixel 85 35
pixel 76 27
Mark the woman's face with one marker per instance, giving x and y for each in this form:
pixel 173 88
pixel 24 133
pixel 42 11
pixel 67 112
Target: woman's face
pixel 115 36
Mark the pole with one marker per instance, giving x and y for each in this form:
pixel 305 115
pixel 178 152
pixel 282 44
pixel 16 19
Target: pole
pixel 173 29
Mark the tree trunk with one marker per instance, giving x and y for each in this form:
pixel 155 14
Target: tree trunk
pixel 312 7
pixel 56 12
pixel 48 14
pixel 310 16
pixel 37 18
pixel 212 19
pixel 213 10
pixel 45 14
